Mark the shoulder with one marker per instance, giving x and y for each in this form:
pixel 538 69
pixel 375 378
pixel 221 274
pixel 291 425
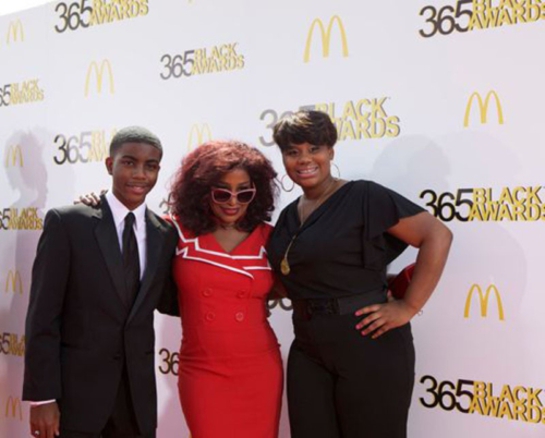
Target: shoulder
pixel 371 189
pixel 285 211
pixel 265 230
pixel 162 222
pixel 182 232
pixel 363 185
pixel 72 212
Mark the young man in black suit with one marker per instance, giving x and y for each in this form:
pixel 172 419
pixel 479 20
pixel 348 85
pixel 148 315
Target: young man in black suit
pixel 98 275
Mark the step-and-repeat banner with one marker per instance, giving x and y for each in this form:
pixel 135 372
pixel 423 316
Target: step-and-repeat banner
pixel 439 100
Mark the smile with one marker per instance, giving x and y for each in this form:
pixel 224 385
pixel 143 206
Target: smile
pixel 233 211
pixel 307 172
pixel 137 188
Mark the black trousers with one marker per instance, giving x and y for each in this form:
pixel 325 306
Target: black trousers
pixel 345 385
pixel 122 423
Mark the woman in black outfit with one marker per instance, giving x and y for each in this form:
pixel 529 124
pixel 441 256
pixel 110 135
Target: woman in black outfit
pixel 351 365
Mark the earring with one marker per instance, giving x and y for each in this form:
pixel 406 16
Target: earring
pixel 338 170
pixel 281 182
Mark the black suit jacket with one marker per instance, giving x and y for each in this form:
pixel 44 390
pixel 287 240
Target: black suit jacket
pixel 79 333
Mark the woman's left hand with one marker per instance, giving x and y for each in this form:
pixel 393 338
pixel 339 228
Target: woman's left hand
pixel 383 317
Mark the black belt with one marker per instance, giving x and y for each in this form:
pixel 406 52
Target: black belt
pixel 336 306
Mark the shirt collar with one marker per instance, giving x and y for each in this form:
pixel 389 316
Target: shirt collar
pixel 119 211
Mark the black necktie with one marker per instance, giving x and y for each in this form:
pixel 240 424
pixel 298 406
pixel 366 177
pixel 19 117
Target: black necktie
pixel 131 262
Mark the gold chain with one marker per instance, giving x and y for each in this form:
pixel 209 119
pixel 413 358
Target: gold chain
pixel 284 264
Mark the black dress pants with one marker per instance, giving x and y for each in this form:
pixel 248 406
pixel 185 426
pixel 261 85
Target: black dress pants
pixel 122 423
pixel 345 385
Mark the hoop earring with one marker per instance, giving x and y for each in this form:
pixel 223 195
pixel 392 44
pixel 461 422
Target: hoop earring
pixel 281 182
pixel 338 170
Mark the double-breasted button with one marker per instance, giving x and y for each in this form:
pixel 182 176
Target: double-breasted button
pixel 207 292
pixel 239 316
pixel 210 316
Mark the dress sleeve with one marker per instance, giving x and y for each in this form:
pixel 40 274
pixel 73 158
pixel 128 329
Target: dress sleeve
pixel 382 209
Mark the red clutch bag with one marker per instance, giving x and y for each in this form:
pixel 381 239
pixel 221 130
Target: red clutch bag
pixel 399 284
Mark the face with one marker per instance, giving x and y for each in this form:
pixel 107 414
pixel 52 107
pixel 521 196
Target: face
pixel 308 165
pixel 134 169
pixel 232 211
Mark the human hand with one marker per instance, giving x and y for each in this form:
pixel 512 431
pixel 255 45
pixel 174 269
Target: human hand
pixel 90 199
pixel 44 420
pixel 383 317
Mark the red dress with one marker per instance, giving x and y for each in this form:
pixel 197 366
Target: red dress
pixel 230 374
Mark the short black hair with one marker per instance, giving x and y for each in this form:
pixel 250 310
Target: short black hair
pixel 305 126
pixel 134 134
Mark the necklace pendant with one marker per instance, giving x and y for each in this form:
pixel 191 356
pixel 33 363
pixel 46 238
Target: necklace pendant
pixel 285 266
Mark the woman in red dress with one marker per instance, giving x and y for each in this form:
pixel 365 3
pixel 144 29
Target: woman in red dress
pixel 230 374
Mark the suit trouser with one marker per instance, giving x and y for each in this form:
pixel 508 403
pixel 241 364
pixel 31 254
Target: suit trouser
pixel 343 384
pixel 122 423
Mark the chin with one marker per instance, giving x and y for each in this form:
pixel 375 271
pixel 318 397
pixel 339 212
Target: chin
pixel 228 220
pixel 308 183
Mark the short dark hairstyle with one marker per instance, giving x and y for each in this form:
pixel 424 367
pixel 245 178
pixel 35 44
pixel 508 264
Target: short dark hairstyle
pixel 134 134
pixel 203 168
pixel 305 126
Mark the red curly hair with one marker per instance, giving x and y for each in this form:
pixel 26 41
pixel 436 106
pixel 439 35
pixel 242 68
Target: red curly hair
pixel 203 168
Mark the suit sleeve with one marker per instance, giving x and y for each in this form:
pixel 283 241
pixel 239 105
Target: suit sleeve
pixel 168 302
pixel 50 272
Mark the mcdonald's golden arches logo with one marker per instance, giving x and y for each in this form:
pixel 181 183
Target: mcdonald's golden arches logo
pixel 326 37
pixel 483 107
pixel 14 282
pixel 484 299
pixel 198 135
pixel 98 71
pixel 13 407
pixel 16 31
pixel 13 156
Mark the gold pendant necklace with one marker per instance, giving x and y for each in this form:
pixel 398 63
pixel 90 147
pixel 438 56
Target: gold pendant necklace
pixel 284 264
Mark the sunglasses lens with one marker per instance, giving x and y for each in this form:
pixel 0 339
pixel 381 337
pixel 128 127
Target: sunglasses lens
pixel 245 196
pixel 221 196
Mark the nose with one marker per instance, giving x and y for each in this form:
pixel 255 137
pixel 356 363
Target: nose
pixel 232 201
pixel 138 172
pixel 304 157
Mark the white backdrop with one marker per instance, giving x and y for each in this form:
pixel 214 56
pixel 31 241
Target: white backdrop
pixel 398 77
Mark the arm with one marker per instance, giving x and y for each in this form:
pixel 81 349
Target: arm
pixel 433 239
pixel 50 272
pixel 278 290
pixel 168 302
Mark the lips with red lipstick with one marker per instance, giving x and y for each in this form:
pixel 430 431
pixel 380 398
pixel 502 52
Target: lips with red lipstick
pixel 229 211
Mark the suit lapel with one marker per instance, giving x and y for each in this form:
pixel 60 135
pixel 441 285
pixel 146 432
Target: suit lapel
pixel 154 243
pixel 108 242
